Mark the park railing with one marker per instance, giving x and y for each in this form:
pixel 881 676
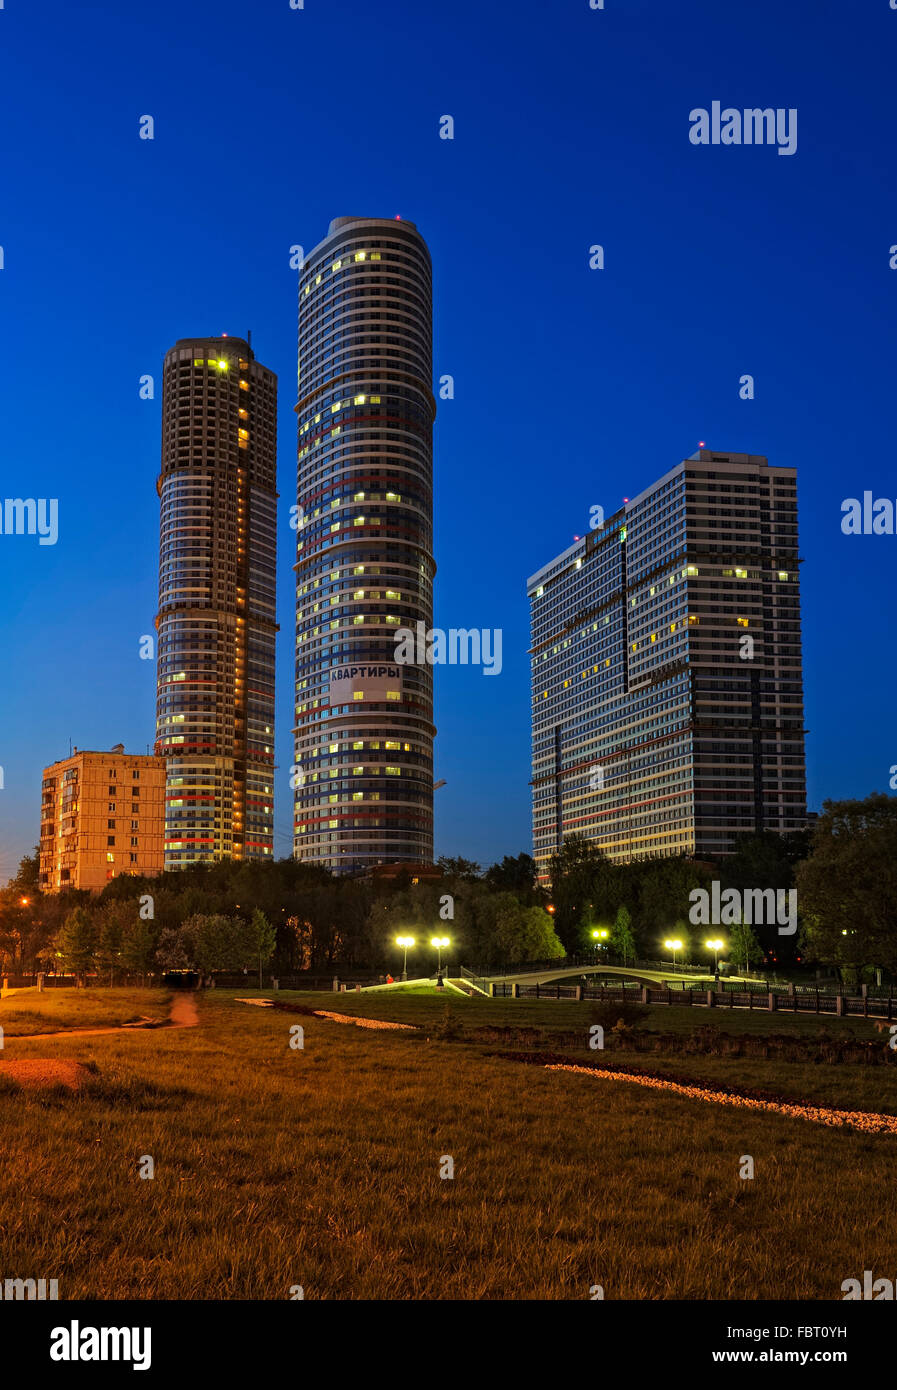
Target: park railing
pixel 790 1000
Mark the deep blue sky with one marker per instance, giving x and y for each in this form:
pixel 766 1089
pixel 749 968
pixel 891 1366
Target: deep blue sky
pixel 573 386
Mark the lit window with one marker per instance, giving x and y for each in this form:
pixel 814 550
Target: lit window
pixel 360 400
pixel 244 385
pixel 392 694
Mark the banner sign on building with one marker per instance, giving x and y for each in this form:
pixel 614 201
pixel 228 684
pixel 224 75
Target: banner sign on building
pixel 377 682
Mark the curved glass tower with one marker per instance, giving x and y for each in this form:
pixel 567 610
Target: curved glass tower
pixel 364 724
pixel 216 624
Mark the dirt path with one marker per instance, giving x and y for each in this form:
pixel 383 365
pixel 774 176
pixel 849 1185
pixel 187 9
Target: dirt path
pixel 183 1014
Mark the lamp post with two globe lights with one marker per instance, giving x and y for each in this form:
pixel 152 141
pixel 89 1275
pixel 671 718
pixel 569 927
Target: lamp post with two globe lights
pixel 439 942
pixel 673 945
pixel 405 942
pixel 715 944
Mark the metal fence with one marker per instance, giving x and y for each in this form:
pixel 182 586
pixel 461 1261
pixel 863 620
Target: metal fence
pixel 812 1001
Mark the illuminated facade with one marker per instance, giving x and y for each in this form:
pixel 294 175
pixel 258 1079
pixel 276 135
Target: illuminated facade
pixel 102 815
pixel 363 772
pixel 667 692
pixel 216 623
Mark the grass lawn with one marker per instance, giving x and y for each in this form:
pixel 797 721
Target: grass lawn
pixel 320 1167
pixel 846 1086
pixel 27 1011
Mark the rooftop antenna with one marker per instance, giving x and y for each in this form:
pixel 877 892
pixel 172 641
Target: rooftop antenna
pixel 249 339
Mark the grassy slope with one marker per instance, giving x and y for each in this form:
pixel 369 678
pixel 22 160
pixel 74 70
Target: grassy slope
pixel 27 1011
pixel 320 1167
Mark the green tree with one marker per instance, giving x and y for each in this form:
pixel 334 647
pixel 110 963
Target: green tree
pixel 513 875
pixel 579 876
pixel 540 941
pixel 265 938
pixel 847 886
pixel 138 940
pixel 109 921
pixel 744 948
pixel 77 942
pixel 622 938
pixel 459 868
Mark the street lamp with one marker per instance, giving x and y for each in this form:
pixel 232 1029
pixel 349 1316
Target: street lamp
pixel 439 942
pixel 600 934
pixel 405 942
pixel 715 945
pixel 675 946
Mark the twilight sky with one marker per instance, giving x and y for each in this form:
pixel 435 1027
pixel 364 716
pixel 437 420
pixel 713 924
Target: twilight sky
pixel 572 386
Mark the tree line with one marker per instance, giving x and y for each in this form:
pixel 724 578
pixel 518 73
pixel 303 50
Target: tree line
pixel 290 917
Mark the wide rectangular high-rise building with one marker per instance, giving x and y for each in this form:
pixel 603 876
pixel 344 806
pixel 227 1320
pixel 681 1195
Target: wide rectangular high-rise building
pixel 667 692
pixel 216 623
pixel 102 815
pixel 363 773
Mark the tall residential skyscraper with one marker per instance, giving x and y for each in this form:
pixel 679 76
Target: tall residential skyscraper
pixel 364 725
pixel 101 816
pixel 667 693
pixel 216 624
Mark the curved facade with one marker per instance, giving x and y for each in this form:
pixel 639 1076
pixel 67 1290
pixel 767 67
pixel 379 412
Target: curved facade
pixel 364 725
pixel 216 623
